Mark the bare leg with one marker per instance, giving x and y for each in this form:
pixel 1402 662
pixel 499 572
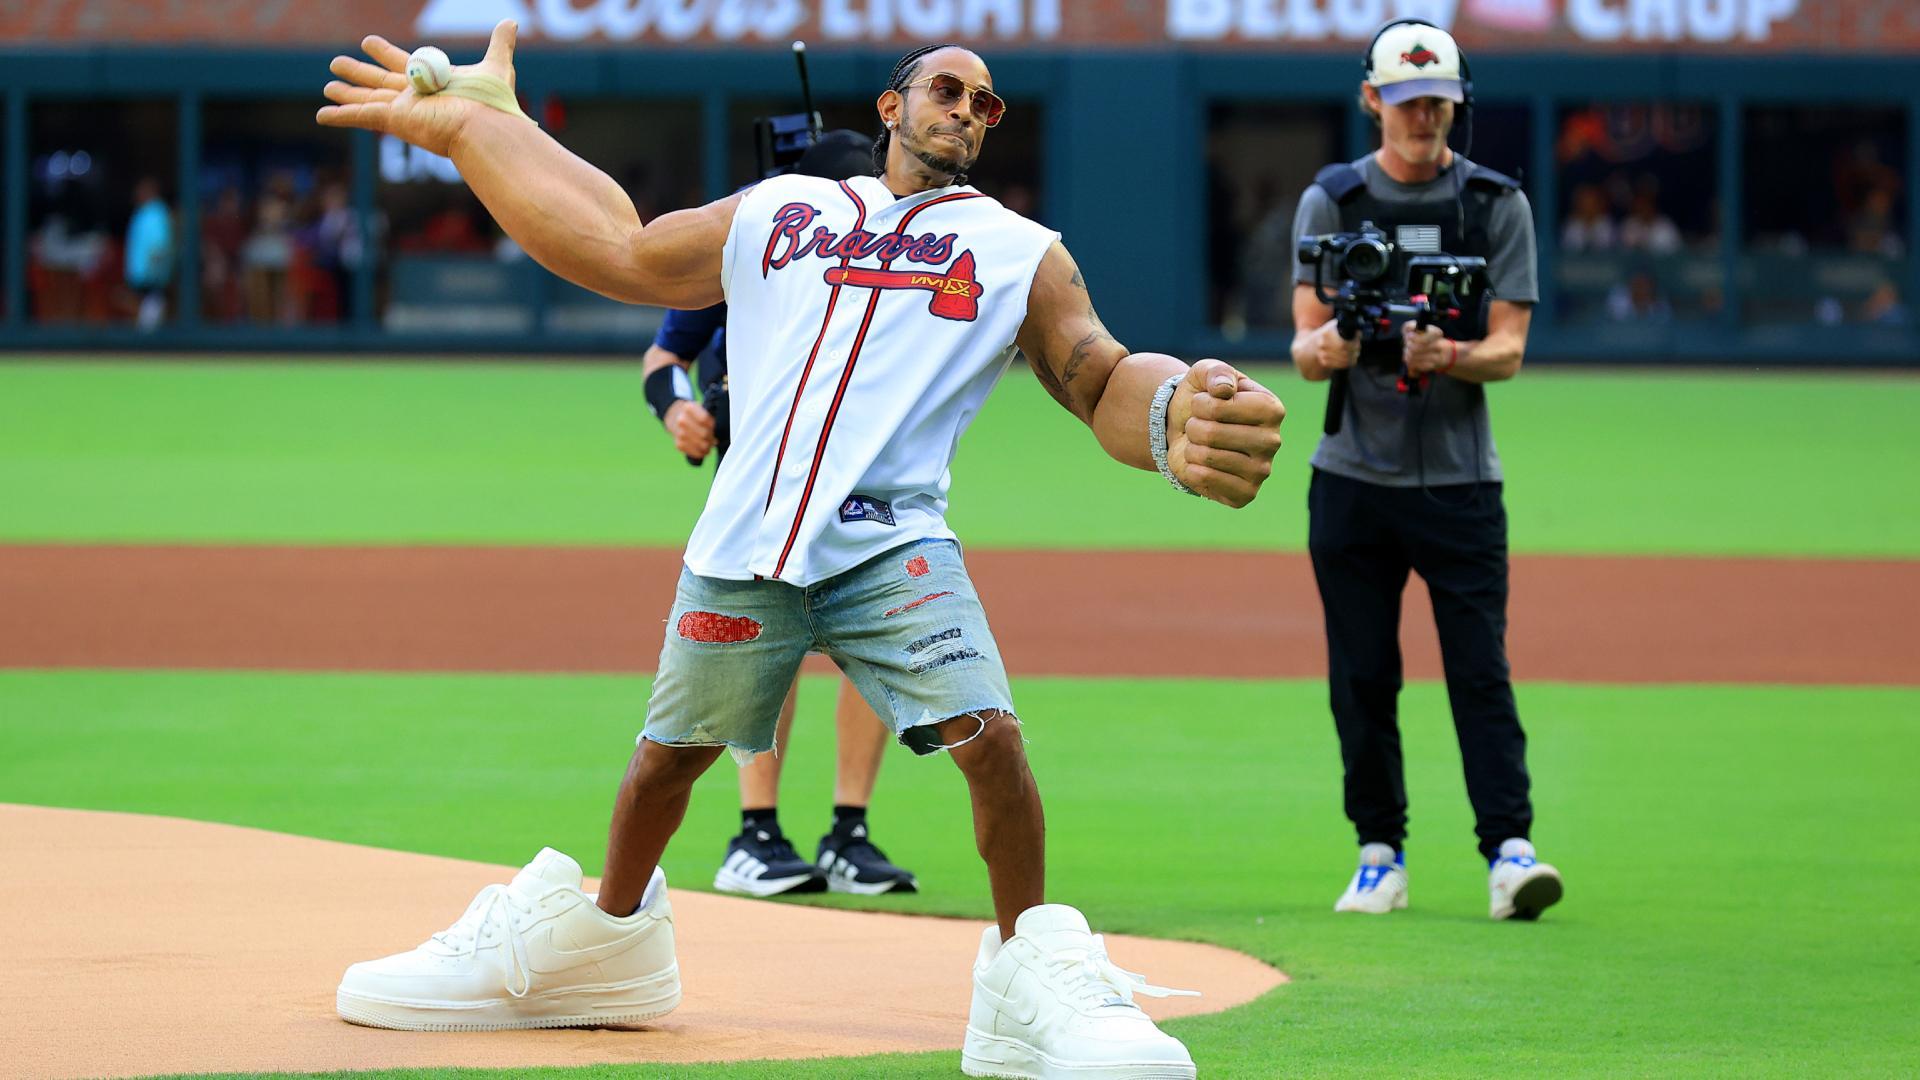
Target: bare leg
pixel 1009 827
pixel 862 743
pixel 646 813
pixel 760 779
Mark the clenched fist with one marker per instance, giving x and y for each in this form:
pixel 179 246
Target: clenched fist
pixel 1222 432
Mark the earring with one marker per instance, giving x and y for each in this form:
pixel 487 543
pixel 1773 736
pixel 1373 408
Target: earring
pixel 889 125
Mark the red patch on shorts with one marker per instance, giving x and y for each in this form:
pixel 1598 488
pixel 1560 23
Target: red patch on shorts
pixel 705 626
pixel 927 599
pixel 917 566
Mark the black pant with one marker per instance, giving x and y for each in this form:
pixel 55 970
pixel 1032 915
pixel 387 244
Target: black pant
pixel 1364 538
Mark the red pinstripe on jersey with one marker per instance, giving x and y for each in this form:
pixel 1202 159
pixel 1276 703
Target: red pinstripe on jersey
pixel 853 357
pixel 780 455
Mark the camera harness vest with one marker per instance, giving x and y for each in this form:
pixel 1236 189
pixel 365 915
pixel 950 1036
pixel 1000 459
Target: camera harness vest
pixel 1464 216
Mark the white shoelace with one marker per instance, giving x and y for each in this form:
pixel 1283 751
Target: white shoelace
pixel 1093 980
pixel 493 907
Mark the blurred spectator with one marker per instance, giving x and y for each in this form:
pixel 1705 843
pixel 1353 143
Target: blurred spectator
pixel 1639 300
pixel 1883 307
pixel 334 251
pixel 223 233
pixel 450 230
pixel 1871 229
pixel 1859 173
pixel 149 252
pixel 71 254
pixel 1646 228
pixel 268 254
pixel 1589 227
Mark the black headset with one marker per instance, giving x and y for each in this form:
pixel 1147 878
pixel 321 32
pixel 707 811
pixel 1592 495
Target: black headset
pixel 1465 124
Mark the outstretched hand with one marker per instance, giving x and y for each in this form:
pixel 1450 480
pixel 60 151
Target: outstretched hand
pixel 376 96
pixel 1222 432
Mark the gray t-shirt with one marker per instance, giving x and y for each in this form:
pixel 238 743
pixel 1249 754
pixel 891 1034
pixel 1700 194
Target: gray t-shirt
pixel 1440 436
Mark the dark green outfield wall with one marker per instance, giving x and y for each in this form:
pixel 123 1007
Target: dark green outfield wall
pixel 1123 148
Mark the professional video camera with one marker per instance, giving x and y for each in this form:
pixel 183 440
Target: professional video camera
pixel 1383 282
pixel 779 142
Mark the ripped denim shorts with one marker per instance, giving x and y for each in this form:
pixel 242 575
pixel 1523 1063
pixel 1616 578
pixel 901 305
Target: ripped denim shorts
pixel 906 626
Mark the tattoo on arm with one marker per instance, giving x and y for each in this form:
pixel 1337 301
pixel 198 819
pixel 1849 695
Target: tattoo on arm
pixel 1044 372
pixel 1057 378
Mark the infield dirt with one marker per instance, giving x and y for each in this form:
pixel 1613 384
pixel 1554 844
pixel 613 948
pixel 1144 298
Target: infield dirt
pixel 544 609
pixel 143 945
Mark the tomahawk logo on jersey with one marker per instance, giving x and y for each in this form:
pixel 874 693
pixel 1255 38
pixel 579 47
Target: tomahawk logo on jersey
pixel 864 330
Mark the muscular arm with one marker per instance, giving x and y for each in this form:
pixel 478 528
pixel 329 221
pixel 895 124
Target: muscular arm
pixel 569 216
pixel 1078 360
pixel 1220 442
pixel 577 222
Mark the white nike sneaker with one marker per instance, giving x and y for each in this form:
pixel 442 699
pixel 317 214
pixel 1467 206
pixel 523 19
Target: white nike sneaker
pixel 1380 885
pixel 1521 887
pixel 1049 1004
pixel 536 953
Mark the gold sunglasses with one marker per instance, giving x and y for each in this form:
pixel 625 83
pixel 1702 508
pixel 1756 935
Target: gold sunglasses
pixel 949 90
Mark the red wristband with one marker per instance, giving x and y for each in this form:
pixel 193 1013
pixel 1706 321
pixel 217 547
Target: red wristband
pixel 1453 358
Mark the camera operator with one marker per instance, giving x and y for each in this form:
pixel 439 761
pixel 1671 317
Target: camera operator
pixel 1407 478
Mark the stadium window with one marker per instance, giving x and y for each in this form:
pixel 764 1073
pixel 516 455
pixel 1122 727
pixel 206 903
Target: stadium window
pixel 89 161
pixel 1260 157
pixel 1503 140
pixel 1638 219
pixel 279 237
pixel 1827 228
pixel 450 269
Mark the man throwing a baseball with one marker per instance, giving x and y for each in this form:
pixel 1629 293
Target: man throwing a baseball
pixel 868 319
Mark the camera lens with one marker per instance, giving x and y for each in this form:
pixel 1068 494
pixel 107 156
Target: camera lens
pixel 1365 261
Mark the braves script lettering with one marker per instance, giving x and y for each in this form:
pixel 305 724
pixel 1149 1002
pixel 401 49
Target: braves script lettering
pixel 792 240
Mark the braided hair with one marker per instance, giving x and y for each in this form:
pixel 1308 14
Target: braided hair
pixel 903 73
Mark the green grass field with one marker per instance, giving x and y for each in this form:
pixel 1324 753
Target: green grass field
pixel 1709 463
pixel 1738 858
pixel 1732 854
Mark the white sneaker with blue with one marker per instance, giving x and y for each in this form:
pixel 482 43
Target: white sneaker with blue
pixel 1380 885
pixel 1521 885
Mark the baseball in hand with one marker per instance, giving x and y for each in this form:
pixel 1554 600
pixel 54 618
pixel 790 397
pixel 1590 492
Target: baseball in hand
pixel 429 70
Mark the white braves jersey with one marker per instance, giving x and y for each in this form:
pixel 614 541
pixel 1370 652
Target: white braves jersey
pixel 863 333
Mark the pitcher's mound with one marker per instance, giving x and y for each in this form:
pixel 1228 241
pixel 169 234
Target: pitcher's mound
pixel 141 945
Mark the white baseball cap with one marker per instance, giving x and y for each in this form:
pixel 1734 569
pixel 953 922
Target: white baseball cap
pixel 1415 60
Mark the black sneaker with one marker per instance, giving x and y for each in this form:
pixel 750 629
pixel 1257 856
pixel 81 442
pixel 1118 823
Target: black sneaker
pixel 762 862
pixel 853 865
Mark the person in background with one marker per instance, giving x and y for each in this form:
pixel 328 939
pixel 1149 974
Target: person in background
pixel 1407 480
pixel 223 233
pixel 268 255
pixel 337 249
pixel 1589 227
pixel 149 255
pixel 1646 227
